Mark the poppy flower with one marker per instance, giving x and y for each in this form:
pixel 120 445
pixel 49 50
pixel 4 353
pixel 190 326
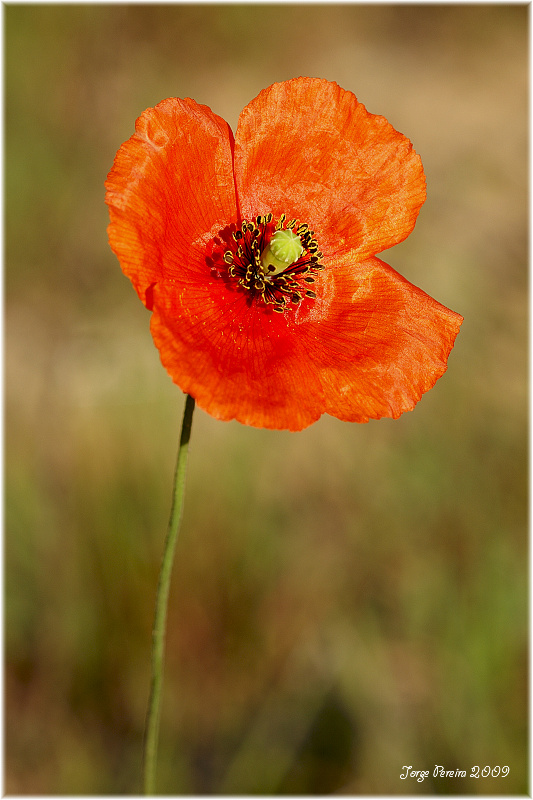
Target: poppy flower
pixel 256 254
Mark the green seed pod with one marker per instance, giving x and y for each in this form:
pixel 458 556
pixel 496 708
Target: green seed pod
pixel 284 249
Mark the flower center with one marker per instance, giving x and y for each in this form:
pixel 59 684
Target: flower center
pixel 284 248
pixel 275 262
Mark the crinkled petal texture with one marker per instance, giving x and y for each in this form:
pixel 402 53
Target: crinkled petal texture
pixel 308 148
pixel 170 190
pixel 369 345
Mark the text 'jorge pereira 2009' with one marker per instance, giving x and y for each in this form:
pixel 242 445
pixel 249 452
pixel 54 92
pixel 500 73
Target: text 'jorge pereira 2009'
pixel 442 772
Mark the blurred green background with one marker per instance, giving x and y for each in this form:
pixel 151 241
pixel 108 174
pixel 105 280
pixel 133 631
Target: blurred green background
pixel 346 600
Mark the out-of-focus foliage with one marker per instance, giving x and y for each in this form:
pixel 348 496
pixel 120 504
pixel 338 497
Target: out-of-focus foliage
pixel 347 600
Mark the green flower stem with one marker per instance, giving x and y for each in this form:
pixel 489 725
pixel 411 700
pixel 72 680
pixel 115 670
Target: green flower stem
pixel 158 632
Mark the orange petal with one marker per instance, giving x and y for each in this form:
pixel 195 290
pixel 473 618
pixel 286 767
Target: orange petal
pixel 379 343
pixel 238 360
pixel 169 191
pixel 308 148
pixel 369 346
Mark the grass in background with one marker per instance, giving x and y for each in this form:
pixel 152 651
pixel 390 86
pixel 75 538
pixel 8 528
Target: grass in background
pixel 345 600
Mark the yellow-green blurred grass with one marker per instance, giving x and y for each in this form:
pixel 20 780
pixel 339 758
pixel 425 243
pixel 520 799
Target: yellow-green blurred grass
pixel 346 600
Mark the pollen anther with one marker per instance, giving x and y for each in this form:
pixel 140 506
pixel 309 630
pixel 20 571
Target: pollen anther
pixel 274 262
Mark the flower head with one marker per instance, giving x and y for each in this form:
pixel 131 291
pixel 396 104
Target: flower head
pixel 257 256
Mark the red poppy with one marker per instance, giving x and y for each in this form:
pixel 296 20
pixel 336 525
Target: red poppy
pixel 257 256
